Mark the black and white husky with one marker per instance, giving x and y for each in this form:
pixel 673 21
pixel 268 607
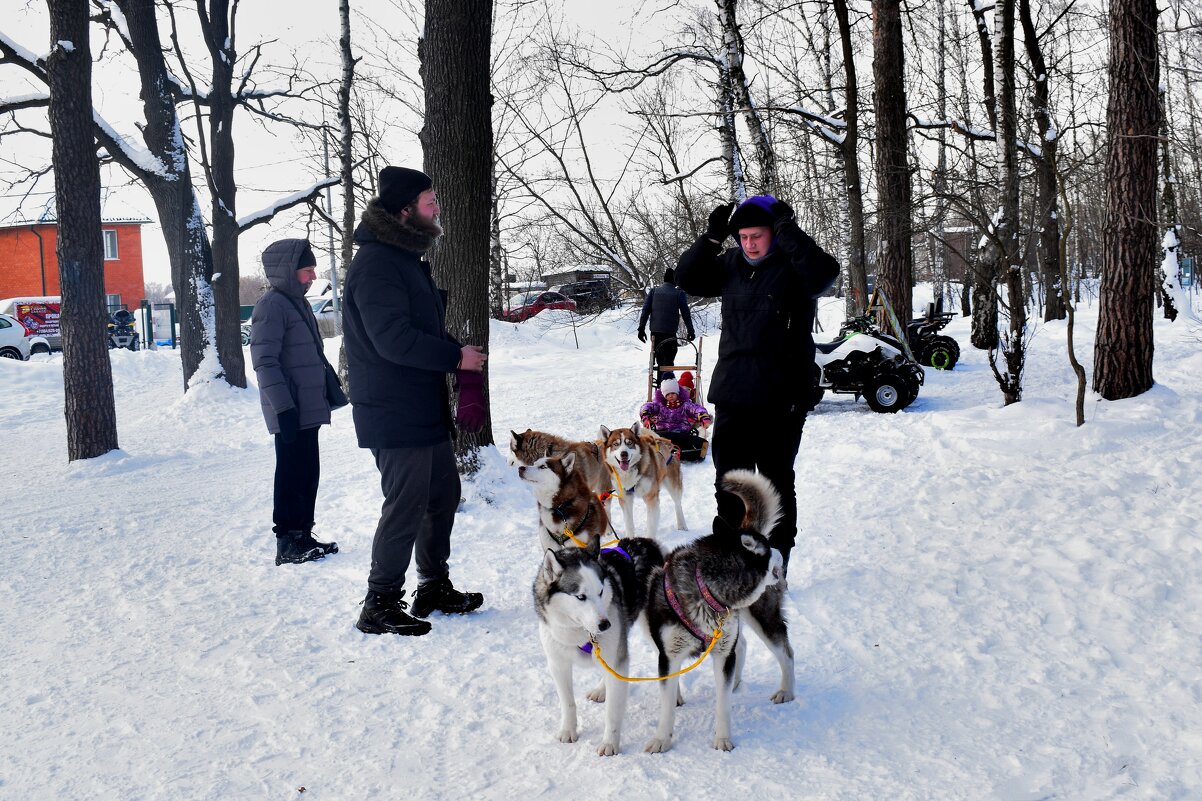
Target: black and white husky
pixel 589 600
pixel 720 581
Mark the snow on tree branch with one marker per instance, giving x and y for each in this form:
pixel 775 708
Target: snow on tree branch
pixel 304 196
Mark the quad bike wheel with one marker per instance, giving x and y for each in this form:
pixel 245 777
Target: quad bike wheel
pixel 818 392
pixel 887 394
pixel 942 353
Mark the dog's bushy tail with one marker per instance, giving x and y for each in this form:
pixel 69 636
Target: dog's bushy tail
pixel 760 498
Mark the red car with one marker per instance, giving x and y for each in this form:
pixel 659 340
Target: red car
pixel 527 304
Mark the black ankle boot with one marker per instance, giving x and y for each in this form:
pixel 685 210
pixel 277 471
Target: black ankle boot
pixel 440 595
pixel 326 547
pixel 384 613
pixel 291 548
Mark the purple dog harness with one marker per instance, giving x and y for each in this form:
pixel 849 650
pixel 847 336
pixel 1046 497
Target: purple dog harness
pixel 708 596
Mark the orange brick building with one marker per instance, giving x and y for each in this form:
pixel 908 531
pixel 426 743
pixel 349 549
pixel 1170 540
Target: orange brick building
pixel 29 264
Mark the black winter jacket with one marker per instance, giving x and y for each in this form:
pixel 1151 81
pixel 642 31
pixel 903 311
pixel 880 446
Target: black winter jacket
pixel 766 353
pixel 397 349
pixel 283 343
pixel 665 306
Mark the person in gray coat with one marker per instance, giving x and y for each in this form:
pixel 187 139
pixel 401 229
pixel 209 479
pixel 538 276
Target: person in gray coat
pixel 665 306
pixel 292 391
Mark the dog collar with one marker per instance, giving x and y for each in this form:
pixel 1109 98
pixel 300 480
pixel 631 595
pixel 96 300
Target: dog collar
pixel 618 549
pixel 568 532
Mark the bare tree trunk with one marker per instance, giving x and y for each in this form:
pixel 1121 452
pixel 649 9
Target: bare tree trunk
pixel 936 239
pixel 1013 345
pixel 457 141
pixel 346 143
pixel 87 375
pixel 1048 219
pixel 732 48
pixel 1168 198
pixel 174 198
pixel 1123 350
pixel 218 35
pixel 894 250
pixel 849 156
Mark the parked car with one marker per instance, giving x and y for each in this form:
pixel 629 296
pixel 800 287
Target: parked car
pixel 525 305
pixel 592 295
pixel 14 339
pixel 245 332
pixel 323 310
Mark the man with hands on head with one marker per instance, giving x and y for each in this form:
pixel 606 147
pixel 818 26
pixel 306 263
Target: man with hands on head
pixel 399 355
pixel 763 382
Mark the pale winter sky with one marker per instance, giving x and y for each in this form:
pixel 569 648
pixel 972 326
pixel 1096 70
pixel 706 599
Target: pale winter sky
pixel 269 167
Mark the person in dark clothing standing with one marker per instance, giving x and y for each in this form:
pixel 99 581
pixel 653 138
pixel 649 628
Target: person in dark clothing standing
pixel 665 306
pixel 292 390
pixel 762 384
pixel 399 354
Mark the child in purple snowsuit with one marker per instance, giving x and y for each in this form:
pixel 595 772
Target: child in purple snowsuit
pixel 675 417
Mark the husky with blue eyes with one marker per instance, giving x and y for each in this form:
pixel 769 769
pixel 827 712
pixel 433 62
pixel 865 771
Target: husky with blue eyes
pixel 589 599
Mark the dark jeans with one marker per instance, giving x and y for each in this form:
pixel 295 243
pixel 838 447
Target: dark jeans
pixel 665 355
pixel 297 473
pixel 765 440
pixel 421 494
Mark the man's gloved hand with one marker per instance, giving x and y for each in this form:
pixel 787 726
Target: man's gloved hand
pixel 781 212
pixel 642 335
pixel 717 228
pixel 289 421
pixel 691 336
pixel 469 414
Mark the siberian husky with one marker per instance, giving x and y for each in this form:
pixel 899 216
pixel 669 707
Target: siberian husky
pixel 568 513
pixel 525 448
pixel 714 583
pixel 642 463
pixel 587 601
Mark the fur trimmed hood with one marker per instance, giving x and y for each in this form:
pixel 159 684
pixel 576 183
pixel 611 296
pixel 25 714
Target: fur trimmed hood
pixel 377 224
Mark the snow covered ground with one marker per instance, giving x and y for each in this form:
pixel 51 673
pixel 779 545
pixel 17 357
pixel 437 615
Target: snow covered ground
pixel 986 602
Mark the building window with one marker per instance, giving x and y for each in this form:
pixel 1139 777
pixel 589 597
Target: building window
pixel 113 302
pixel 110 245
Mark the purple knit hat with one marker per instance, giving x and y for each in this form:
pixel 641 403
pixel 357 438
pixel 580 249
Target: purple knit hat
pixel 753 212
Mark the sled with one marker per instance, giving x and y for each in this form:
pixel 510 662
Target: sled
pixel 697 455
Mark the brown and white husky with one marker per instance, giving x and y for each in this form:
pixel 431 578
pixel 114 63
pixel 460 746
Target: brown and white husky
pixel 526 448
pixel 643 463
pixel 569 514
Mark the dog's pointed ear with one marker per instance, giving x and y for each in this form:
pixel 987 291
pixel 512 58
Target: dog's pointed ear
pixel 568 460
pixel 515 440
pixel 755 544
pixel 593 547
pixel 637 428
pixel 551 569
pixel 604 433
pixel 723 528
pixel 550 451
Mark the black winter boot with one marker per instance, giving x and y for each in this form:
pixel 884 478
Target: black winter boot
pixel 326 547
pixel 439 594
pixel 384 613
pixel 292 548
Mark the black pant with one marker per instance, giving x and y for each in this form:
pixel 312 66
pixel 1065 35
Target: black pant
pixel 665 355
pixel 755 438
pixel 297 473
pixel 688 442
pixel 421 494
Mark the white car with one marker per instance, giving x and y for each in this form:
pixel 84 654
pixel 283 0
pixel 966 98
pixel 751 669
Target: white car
pixel 15 341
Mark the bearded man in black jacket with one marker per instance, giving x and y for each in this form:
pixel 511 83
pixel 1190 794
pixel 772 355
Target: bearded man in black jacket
pixel 399 354
pixel 763 382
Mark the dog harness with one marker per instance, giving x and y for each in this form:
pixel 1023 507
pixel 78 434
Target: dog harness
pixel 568 533
pixel 707 596
pixel 588 646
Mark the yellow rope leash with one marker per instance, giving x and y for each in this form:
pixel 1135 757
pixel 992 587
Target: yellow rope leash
pixel 567 532
pixel 713 641
pixel 617 480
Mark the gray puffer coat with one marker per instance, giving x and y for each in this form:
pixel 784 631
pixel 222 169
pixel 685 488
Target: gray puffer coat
pixel 283 346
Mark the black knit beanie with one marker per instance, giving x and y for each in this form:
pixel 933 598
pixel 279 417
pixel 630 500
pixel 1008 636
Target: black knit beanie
pixel 307 257
pixel 400 186
pixel 670 276
pixel 752 213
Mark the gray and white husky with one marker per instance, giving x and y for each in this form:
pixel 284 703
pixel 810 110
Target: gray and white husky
pixel 722 580
pixel 586 600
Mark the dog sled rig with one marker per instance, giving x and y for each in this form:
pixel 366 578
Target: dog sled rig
pixel 684 454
